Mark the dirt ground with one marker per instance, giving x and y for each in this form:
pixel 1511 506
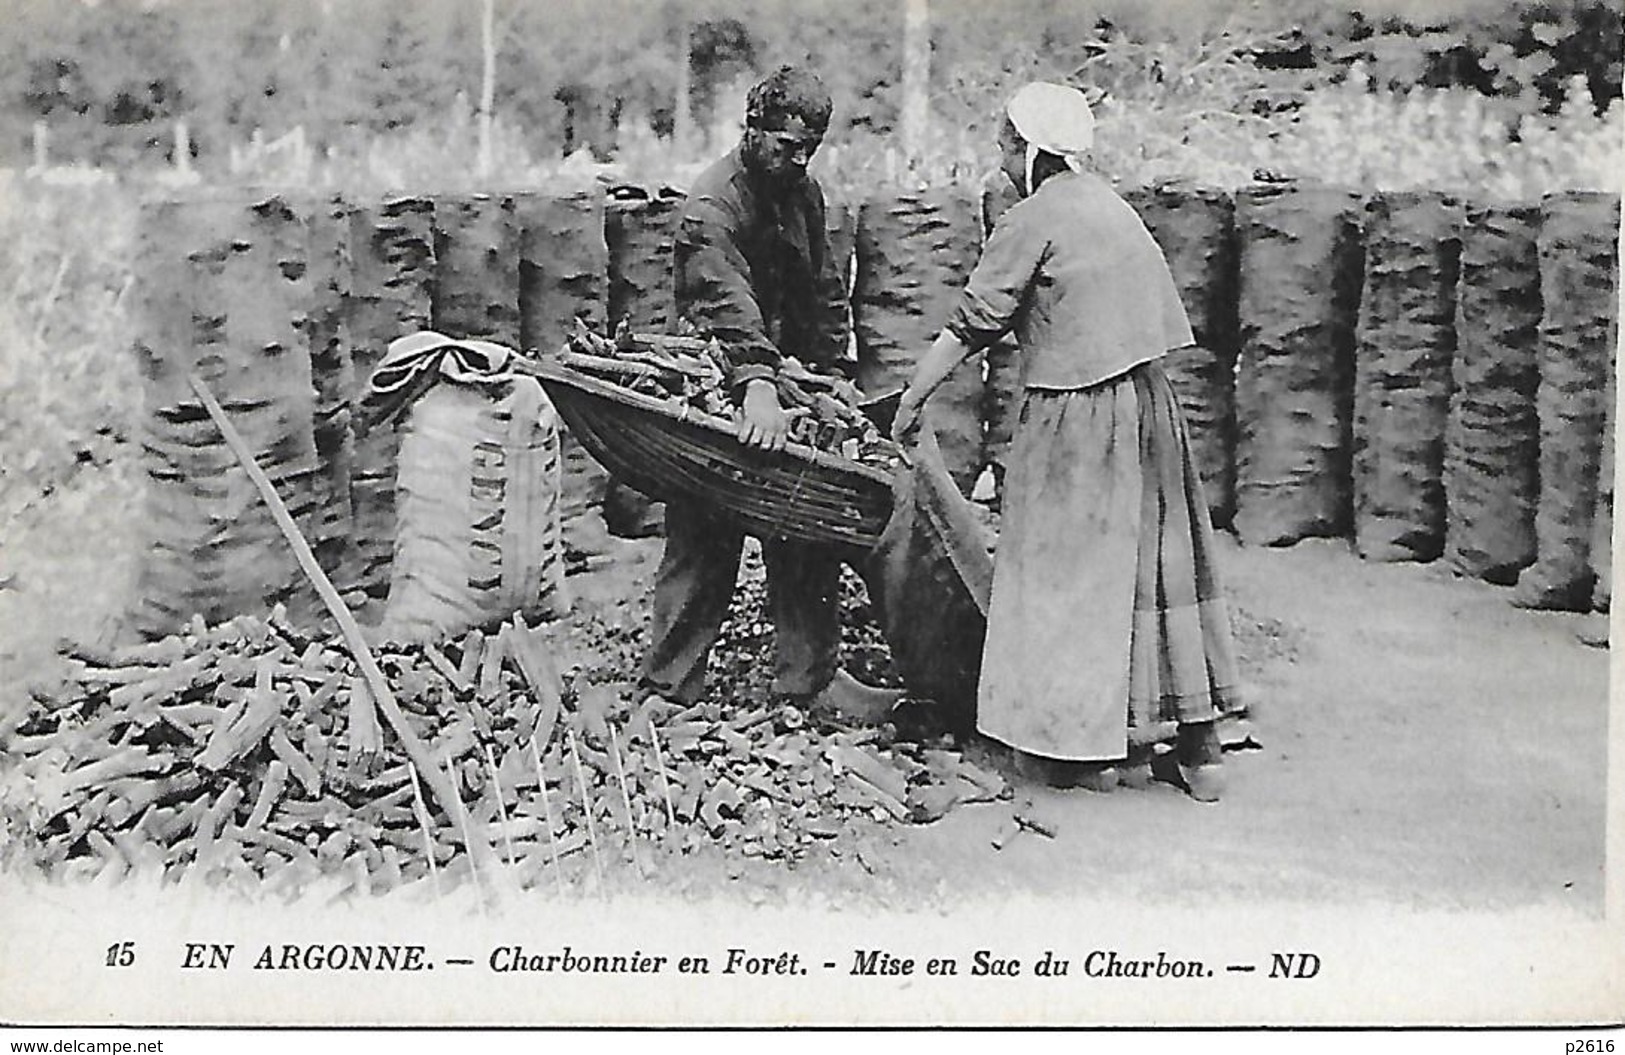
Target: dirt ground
pixel 1421 741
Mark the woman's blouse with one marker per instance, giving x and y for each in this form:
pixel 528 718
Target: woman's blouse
pixel 1073 270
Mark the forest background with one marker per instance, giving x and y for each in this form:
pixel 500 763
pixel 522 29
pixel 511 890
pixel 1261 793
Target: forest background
pixel 1480 96
pixel 104 103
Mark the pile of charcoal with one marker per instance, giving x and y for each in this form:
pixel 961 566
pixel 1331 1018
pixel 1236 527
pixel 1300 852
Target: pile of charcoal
pixel 252 751
pixel 825 410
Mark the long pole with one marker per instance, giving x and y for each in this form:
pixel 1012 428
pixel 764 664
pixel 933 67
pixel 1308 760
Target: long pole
pixel 416 750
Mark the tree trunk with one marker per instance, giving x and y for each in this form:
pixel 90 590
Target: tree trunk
pixel 916 79
pixel 682 131
pixel 488 84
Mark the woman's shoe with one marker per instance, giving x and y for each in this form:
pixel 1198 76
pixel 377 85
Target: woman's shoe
pixel 1204 783
pixel 1197 745
pixel 1135 775
pixel 1095 777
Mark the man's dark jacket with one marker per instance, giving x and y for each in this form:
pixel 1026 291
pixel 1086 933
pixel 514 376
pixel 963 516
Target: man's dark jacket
pixel 753 269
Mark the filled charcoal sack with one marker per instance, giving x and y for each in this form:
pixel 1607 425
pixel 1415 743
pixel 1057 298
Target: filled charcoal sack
pixel 1195 228
pixel 930 578
pixel 392 279
pixel 1602 525
pixel 1299 290
pixel 1578 276
pixel 227 292
pixel 327 333
pixel 1492 440
pixel 478 490
pixel 563 277
pixel 915 251
pixel 1406 342
pixel 639 227
pixel 476 268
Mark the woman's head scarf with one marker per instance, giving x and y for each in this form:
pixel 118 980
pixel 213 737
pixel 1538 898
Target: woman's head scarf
pixel 1053 119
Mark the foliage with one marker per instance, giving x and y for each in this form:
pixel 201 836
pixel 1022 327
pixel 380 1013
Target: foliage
pixel 1450 140
pixel 110 77
pixel 68 391
pixel 1196 107
pixel 1527 51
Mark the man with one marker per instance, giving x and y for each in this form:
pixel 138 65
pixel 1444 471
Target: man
pixel 753 269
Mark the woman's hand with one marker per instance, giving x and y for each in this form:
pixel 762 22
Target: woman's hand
pixel 762 422
pixel 943 357
pixel 905 424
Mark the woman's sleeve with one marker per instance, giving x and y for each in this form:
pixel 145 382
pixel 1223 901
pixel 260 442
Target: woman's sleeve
pixel 999 285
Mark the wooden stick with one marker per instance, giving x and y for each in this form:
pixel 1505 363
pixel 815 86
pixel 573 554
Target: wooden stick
pixel 665 778
pixel 473 647
pixel 361 878
pixel 300 766
pixel 437 659
pixel 586 808
pixel 536 665
pixel 547 812
pixel 276 779
pixel 626 797
pixel 462 822
pixel 362 730
pixel 382 696
pixel 423 822
pixel 502 807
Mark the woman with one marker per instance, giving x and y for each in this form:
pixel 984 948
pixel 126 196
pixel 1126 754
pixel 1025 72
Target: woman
pixel 1106 631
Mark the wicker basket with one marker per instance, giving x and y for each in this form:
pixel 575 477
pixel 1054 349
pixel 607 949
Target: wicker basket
pixel 671 451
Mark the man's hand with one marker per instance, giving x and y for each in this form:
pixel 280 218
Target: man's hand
pixel 762 422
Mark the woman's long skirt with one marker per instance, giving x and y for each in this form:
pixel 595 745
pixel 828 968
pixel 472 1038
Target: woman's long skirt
pixel 1106 611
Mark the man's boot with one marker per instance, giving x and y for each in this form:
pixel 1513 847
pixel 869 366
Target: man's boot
pixel 847 698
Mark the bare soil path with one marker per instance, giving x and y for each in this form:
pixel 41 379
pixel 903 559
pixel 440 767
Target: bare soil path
pixel 1422 741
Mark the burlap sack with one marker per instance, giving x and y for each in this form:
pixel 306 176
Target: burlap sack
pixel 227 295
pixel 1300 287
pixel 915 251
pixel 477 503
pixel 1492 441
pixel 1195 228
pixel 564 276
pixel 1602 526
pixel 930 578
pixel 1578 278
pixel 392 280
pixel 1406 340
pixel 639 227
